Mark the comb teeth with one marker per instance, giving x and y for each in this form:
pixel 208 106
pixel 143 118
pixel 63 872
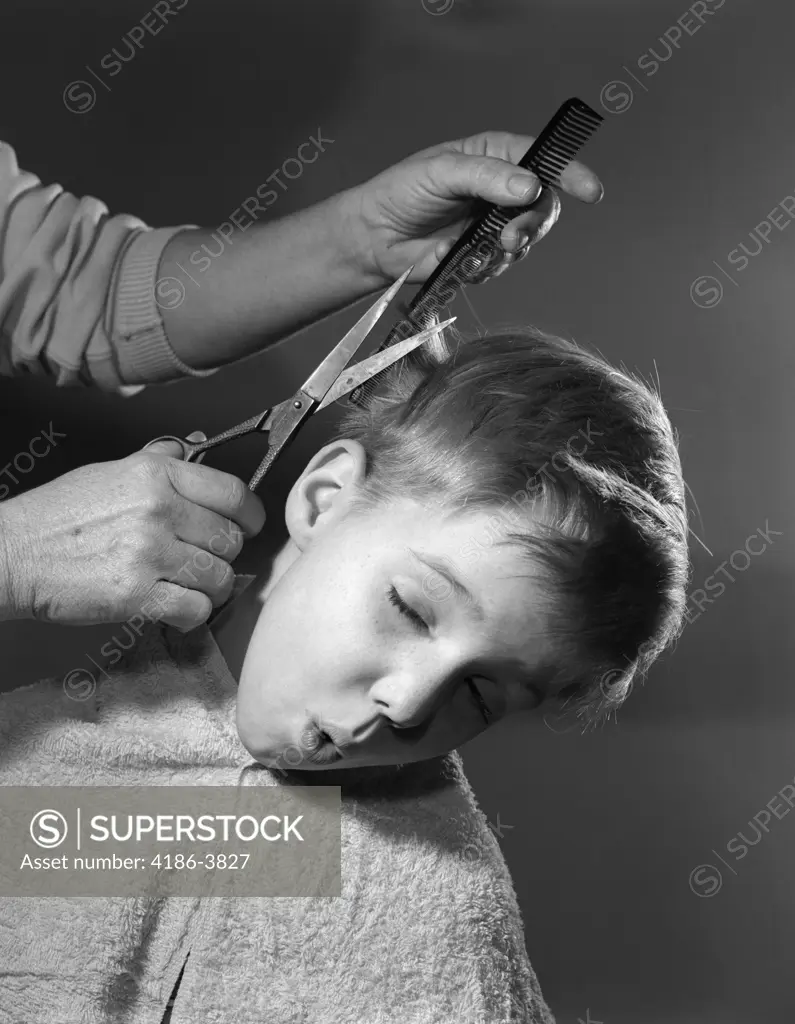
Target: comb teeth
pixel 557 145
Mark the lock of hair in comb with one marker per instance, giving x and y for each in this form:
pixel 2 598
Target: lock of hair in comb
pixel 559 142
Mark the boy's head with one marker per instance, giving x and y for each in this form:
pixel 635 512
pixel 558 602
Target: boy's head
pixel 503 530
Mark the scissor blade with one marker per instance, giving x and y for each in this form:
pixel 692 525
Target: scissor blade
pixel 318 384
pixel 368 368
pixel 241 584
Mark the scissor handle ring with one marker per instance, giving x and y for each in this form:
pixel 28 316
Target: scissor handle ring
pixel 189 453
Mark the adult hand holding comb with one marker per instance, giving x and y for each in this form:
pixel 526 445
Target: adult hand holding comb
pixel 498 232
pixel 415 211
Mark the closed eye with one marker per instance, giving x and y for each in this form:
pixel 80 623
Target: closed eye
pixel 421 626
pixel 415 618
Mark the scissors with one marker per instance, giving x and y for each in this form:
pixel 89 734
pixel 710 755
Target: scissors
pixel 325 385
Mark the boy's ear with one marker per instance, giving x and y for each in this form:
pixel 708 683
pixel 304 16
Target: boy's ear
pixel 321 494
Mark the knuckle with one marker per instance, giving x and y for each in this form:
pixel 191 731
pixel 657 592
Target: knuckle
pixel 237 536
pixel 195 608
pixel 488 174
pixel 225 575
pixel 234 549
pixel 153 491
pixel 158 606
pixel 137 546
pixel 479 142
pixel 217 584
pixel 228 542
pixel 442 167
pixel 145 465
pixel 154 503
pixel 236 494
pixel 223 584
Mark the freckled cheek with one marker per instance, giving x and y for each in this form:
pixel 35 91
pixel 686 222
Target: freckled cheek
pixel 345 628
pixel 320 625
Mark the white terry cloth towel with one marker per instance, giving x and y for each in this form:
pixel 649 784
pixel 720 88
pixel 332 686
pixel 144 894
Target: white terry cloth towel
pixel 427 930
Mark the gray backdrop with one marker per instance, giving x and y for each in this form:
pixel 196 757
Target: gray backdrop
pixel 606 835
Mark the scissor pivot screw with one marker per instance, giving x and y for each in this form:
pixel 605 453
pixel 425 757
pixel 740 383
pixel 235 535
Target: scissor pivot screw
pixel 297 404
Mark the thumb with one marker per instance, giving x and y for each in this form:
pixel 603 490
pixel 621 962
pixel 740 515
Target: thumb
pixel 486 177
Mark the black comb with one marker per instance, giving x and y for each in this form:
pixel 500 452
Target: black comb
pixel 570 128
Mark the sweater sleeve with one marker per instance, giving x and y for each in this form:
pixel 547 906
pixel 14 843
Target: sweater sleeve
pixel 78 297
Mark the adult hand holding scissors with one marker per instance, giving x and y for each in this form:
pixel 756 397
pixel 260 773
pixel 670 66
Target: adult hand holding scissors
pixel 145 535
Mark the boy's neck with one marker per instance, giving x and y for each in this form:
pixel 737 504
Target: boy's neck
pixel 233 627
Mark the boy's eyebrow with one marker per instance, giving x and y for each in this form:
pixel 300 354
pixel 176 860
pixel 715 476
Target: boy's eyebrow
pixel 465 596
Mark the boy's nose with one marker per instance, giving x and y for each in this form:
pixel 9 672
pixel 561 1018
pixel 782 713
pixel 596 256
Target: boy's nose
pixel 408 702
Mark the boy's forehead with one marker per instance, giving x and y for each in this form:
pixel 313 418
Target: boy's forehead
pixel 459 539
pixel 458 529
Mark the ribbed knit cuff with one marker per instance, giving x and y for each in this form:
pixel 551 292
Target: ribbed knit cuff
pixel 137 332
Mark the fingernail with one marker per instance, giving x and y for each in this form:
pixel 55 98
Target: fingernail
pixel 524 187
pixel 522 239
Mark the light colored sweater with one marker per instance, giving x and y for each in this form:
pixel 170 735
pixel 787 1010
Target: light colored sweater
pixel 427 930
pixel 77 289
